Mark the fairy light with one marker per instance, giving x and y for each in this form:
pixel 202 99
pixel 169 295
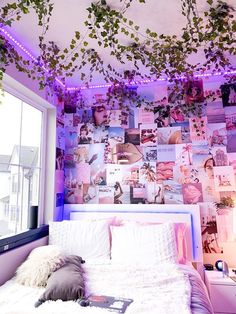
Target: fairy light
pixel 140 82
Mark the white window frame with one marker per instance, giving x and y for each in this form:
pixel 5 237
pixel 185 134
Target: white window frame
pixel 48 145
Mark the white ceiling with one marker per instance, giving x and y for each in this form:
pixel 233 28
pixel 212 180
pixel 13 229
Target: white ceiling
pixel 69 16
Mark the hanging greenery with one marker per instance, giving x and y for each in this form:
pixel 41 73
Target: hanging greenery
pixel 159 54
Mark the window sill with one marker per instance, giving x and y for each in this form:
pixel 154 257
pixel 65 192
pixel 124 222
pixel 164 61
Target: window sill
pixel 20 239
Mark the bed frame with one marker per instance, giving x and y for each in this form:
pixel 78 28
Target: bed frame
pixel 189 214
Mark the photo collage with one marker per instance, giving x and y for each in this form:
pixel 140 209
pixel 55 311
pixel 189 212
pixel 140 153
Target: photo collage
pixel 116 158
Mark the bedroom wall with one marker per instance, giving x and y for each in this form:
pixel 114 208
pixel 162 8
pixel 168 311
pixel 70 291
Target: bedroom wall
pixel 152 161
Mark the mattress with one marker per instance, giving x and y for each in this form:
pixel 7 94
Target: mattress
pixel 162 289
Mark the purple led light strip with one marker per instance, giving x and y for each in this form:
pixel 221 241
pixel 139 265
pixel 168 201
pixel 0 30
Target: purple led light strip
pixel 19 45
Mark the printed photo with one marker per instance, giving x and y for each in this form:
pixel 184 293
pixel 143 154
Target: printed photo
pixel 204 164
pixel 137 194
pixel 150 153
pixel 166 153
pixel 106 195
pixel 125 154
pixel 60 140
pixel 100 115
pixel 115 136
pixel 169 135
pixel 154 193
pixel 231 142
pixel 71 137
pixel 176 93
pixel 217 134
pixel 98 174
pixel 228 92
pixel 85 134
pixel 84 116
pixel 83 173
pixel 100 134
pixel 185 130
pixel 232 162
pixel 215 112
pixel 164 171
pixel 115 118
pixel 148 134
pixel 177 115
pixel 132 136
pixel 60 158
pixel 183 154
pixel 69 119
pixel 162 116
pixel 185 174
pixel 90 194
pixel 96 154
pixel 81 153
pixel 114 173
pixel 59 181
pixel 220 155
pixel 147 172
pixel 209 227
pixel 59 199
pixel 145 116
pixel 74 195
pixel 198 130
pixel 230 117
pixel 172 192
pixel 69 161
pixel 201 149
pixel 192 193
pixel 194 91
pixel 224 178
pixel 131 175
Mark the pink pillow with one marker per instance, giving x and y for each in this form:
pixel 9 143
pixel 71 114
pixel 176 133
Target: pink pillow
pixel 180 230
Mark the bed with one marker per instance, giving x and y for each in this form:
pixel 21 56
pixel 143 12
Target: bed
pixel 143 253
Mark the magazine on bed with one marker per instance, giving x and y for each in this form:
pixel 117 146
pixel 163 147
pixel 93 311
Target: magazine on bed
pixel 114 304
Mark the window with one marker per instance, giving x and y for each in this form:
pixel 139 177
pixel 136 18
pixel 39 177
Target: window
pixel 21 146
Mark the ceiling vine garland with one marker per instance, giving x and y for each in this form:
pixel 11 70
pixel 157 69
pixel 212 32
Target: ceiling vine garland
pixel 159 54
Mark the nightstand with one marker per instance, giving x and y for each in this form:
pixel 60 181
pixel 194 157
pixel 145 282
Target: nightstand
pixel 222 291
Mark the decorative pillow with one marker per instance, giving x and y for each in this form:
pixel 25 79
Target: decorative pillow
pixel 180 235
pixel 144 244
pixel 87 238
pixel 67 283
pixel 39 265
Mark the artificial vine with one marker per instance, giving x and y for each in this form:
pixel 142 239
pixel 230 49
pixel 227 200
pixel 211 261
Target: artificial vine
pixel 160 54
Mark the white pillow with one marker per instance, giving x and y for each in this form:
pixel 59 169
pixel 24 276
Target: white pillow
pixel 144 244
pixel 39 265
pixel 86 238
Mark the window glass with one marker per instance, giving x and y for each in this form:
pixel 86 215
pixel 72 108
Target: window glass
pixel 20 149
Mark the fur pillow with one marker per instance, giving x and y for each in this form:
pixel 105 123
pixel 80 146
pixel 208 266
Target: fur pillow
pixel 39 265
pixel 67 283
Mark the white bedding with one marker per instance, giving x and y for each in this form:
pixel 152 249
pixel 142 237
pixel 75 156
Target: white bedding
pixel 160 289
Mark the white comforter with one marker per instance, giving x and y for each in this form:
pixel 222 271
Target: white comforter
pixel 161 289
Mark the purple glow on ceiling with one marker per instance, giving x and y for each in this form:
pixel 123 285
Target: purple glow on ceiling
pixel 141 82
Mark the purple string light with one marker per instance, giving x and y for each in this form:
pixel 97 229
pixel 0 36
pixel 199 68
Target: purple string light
pixel 141 82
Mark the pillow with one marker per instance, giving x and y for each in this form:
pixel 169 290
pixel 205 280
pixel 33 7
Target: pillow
pixel 67 283
pixel 180 235
pixel 87 238
pixel 144 244
pixel 39 265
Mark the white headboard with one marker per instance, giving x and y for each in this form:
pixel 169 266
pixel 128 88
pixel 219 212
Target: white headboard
pixel 189 214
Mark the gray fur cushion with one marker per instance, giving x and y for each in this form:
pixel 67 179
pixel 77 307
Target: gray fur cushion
pixel 66 283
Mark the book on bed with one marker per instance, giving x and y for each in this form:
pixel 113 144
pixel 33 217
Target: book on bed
pixel 114 304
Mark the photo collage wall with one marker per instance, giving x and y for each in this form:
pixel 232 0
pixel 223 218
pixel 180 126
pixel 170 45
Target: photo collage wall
pixel 113 156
